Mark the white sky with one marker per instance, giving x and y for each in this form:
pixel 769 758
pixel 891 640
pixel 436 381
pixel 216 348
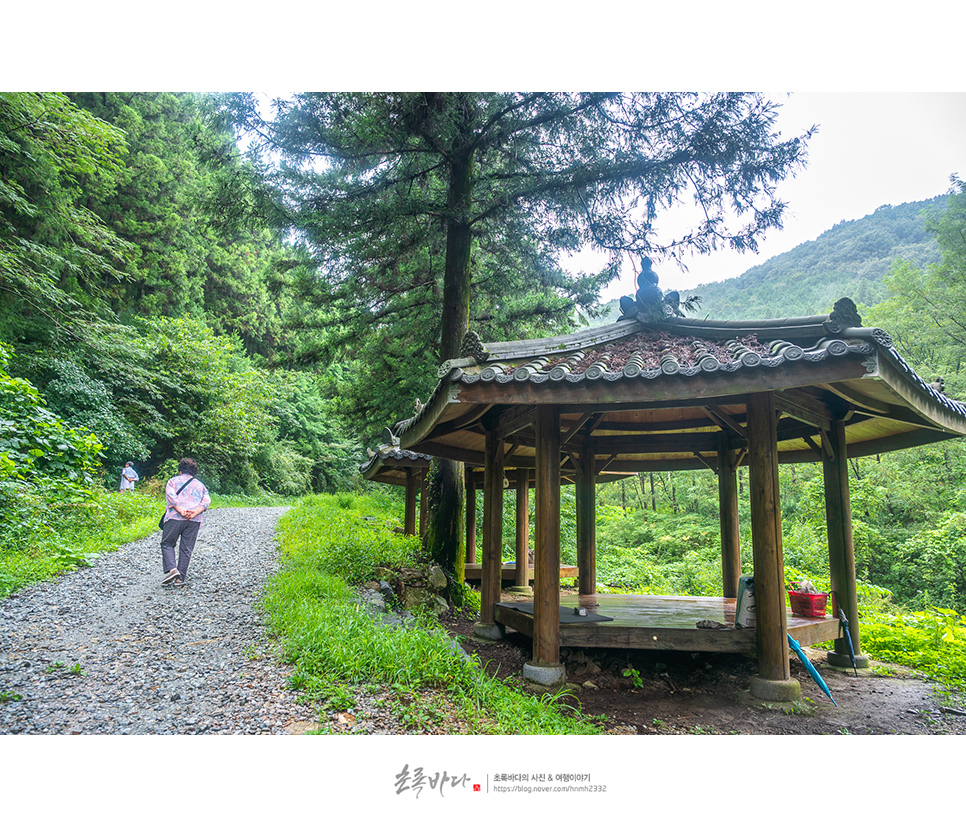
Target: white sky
pixel 871 149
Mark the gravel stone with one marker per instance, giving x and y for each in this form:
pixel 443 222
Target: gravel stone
pixel 109 650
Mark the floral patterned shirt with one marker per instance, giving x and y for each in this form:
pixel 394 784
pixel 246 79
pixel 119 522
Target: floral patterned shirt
pixel 193 497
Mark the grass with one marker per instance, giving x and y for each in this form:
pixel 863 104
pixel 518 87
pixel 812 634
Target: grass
pixel 46 532
pixel 330 542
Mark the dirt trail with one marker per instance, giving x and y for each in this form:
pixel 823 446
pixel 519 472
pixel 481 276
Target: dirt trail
pixel 685 693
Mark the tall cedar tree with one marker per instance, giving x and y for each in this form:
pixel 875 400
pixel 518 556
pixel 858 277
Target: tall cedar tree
pixel 379 183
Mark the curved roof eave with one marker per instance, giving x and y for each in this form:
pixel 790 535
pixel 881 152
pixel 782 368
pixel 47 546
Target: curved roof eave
pixel 543 365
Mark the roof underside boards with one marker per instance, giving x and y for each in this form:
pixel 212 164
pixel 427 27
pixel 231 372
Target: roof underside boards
pixel 672 395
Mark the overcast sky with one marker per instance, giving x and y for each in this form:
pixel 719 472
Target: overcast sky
pixel 870 149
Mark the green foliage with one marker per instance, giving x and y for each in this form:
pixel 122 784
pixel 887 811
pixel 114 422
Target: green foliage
pixel 48 528
pixel 929 567
pixel 34 442
pixel 108 214
pixel 332 640
pixel 56 255
pixel 346 535
pixel 51 514
pixel 933 641
pixel 183 261
pixel 926 309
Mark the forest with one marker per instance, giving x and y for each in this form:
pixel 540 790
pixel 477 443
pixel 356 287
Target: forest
pixel 182 274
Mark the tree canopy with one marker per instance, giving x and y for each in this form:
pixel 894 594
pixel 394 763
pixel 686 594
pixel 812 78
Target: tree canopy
pixel 422 213
pixel 140 316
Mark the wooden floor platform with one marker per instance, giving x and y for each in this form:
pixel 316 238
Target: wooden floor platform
pixel 665 624
pixel 508 572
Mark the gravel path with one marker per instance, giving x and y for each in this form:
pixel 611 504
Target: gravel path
pixel 108 650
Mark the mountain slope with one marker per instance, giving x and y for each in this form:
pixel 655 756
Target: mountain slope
pixel 850 259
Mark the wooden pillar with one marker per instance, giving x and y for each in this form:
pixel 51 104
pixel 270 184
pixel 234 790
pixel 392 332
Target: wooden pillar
pixel 522 573
pixel 409 522
pixel 586 494
pixel 470 492
pixel 546 667
pixel 774 681
pixel 841 549
pixel 728 516
pixel 423 500
pixel 492 528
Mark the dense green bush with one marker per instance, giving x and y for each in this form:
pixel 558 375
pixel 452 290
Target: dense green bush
pixel 34 442
pixel 933 641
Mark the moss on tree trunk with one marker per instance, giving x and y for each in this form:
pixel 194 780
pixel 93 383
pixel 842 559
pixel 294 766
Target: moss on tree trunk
pixel 444 541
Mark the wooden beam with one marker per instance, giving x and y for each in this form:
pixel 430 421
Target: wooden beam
pixel 814 446
pixel 857 399
pixel 470 492
pixel 827 447
pixel 804 408
pixel 706 462
pixel 445 450
pixel 586 495
pixel 513 419
pixel 409 519
pixel 728 520
pixel 605 464
pixel 725 421
pixel 575 427
pixel 474 415
pixel 841 548
pixel 423 501
pixel 655 426
pixel 643 443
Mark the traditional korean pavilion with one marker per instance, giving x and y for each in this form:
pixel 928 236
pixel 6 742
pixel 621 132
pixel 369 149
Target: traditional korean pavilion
pixel 389 464
pixel 664 392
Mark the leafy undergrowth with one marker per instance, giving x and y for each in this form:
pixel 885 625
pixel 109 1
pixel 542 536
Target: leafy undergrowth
pixel 932 642
pixel 49 528
pixel 328 542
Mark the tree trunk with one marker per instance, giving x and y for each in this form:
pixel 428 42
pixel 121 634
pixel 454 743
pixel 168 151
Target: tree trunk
pixel 445 540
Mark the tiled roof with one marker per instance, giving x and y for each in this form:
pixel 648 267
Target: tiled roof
pixel 681 348
pixel 392 457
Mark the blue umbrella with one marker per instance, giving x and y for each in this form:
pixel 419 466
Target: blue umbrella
pixel 844 624
pixel 797 648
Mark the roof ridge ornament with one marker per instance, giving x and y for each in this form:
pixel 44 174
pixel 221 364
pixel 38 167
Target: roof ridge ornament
pixel 650 304
pixel 473 347
pixel 844 314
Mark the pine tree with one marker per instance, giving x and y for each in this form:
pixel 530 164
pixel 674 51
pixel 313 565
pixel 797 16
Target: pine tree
pixel 421 205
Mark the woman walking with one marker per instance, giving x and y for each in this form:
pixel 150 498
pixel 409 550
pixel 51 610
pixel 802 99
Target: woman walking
pixel 187 501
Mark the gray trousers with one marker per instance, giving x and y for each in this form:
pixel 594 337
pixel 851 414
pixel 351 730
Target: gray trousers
pixel 187 532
